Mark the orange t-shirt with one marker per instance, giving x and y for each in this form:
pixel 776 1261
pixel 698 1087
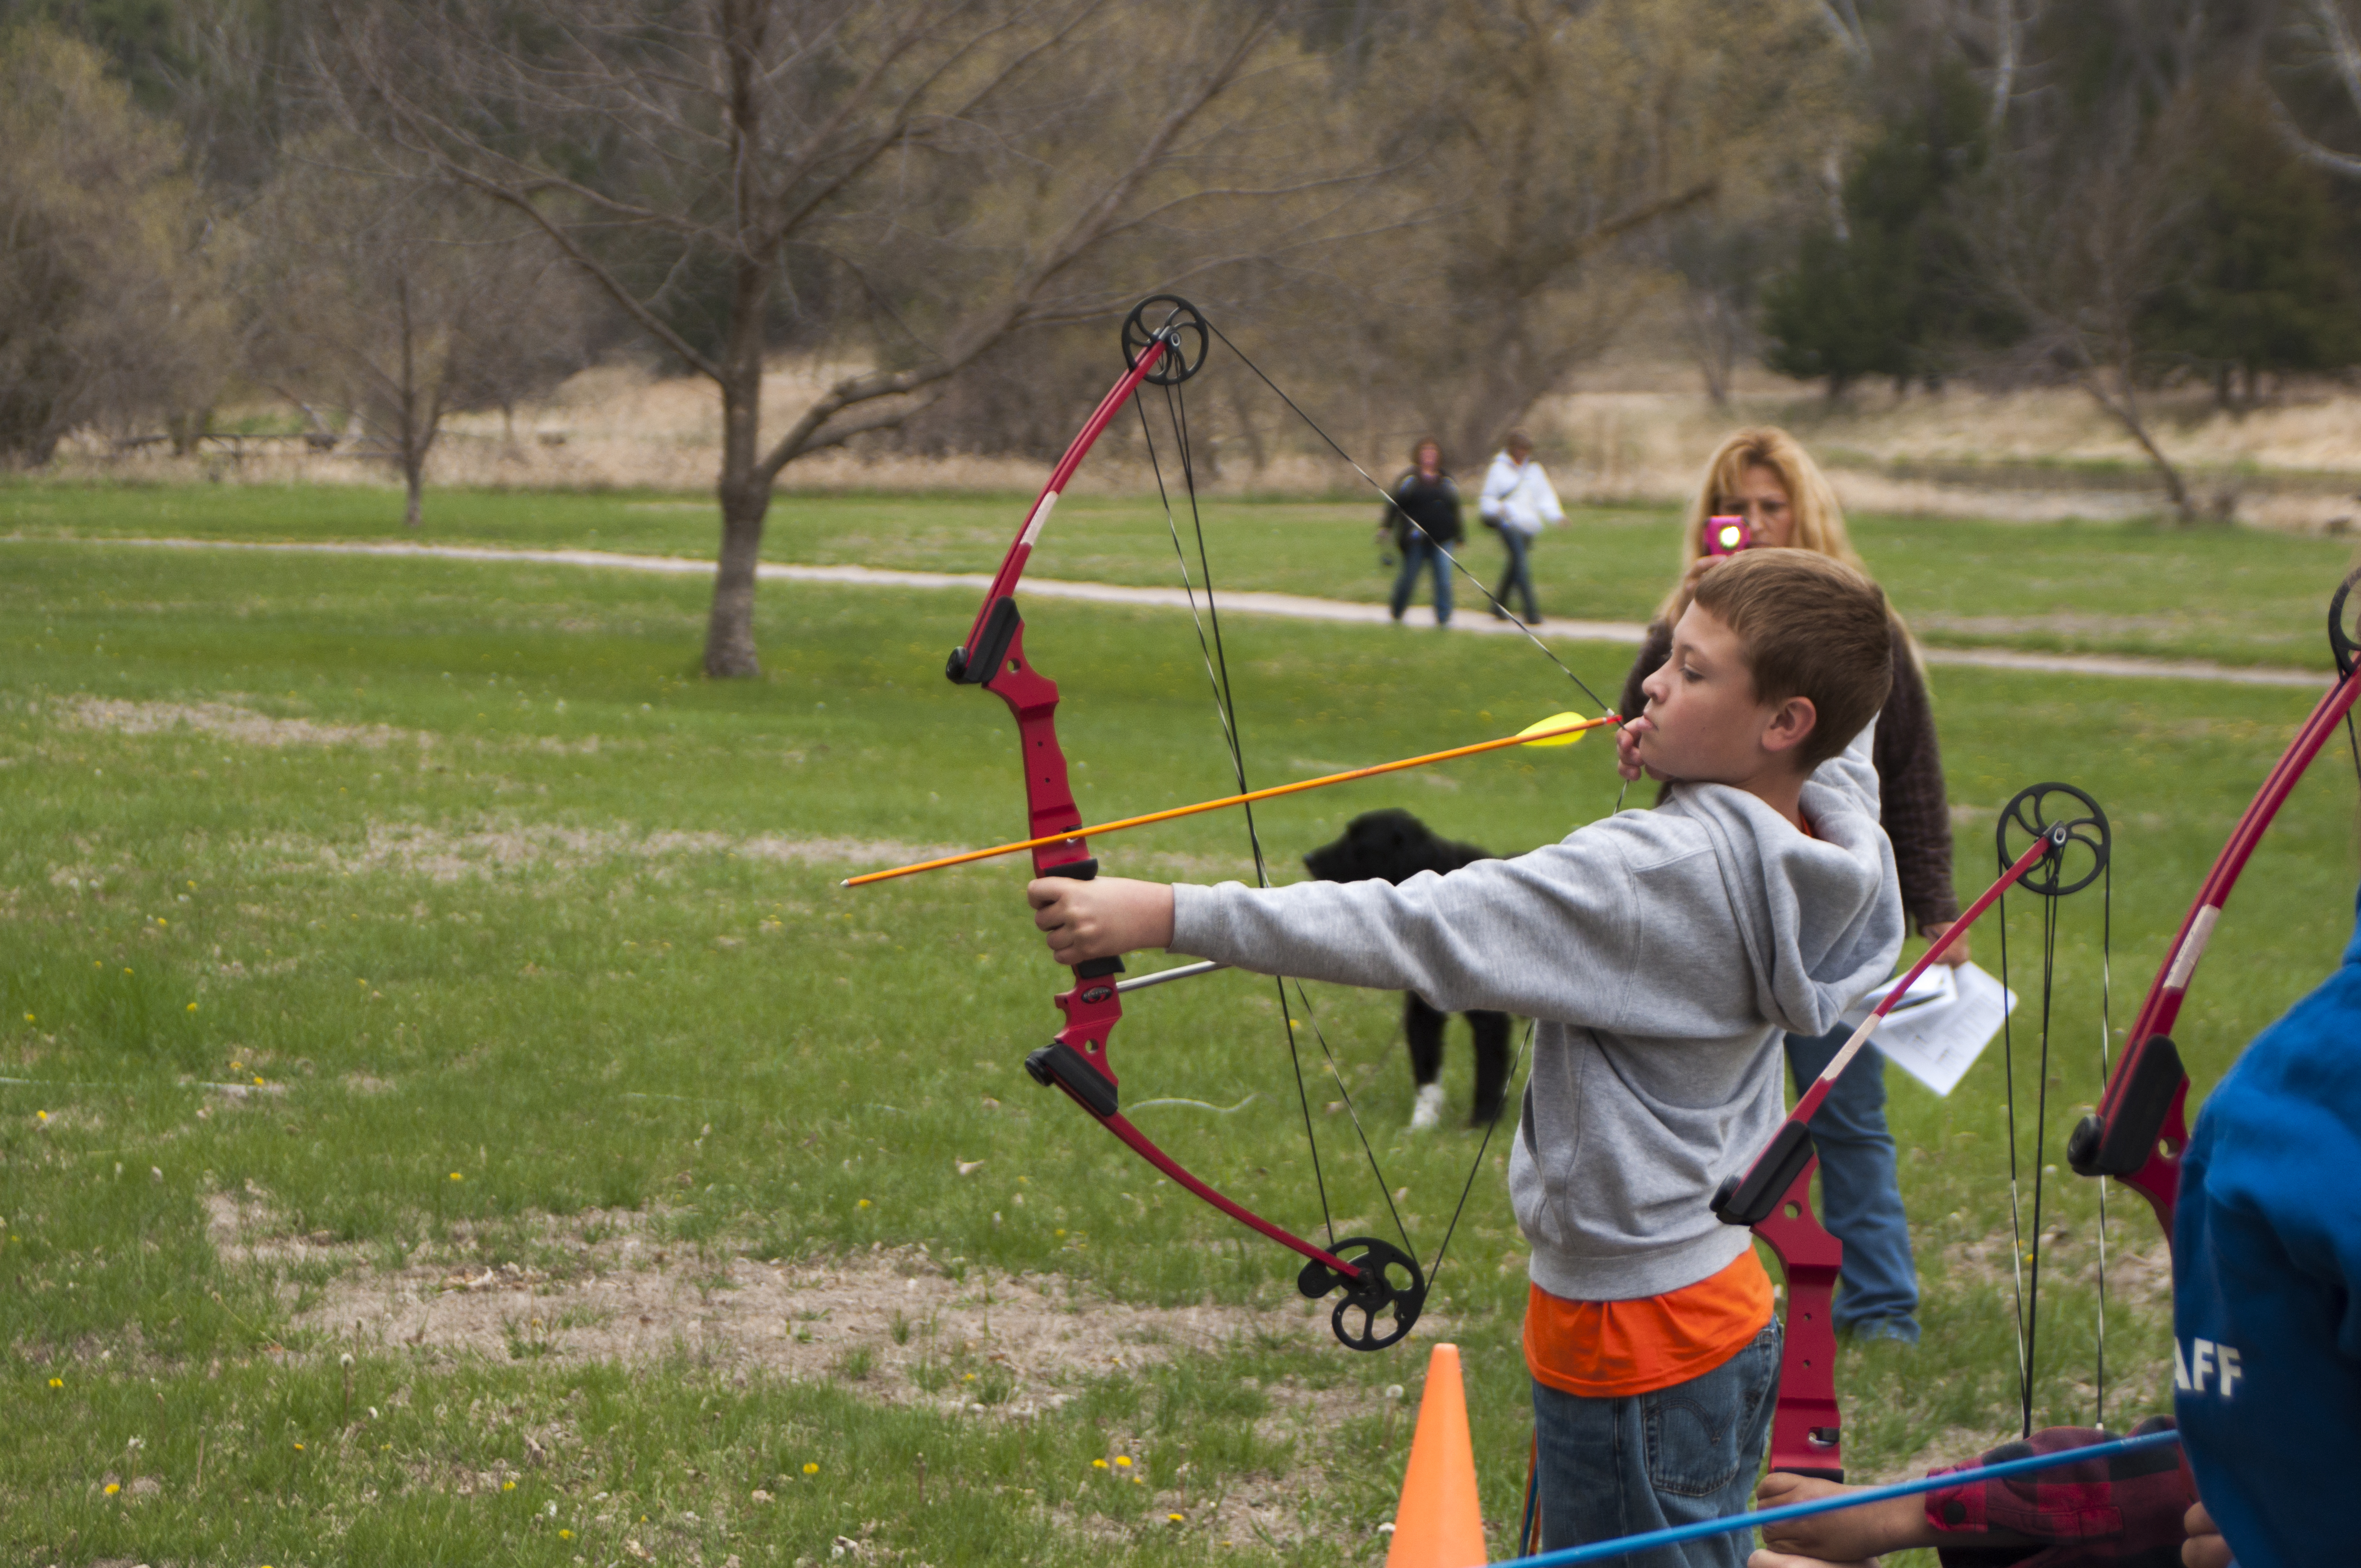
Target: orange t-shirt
pixel 1610 1350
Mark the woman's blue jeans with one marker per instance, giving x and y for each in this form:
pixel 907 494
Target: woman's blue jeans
pixel 1606 1468
pixel 1421 553
pixel 1519 577
pixel 1861 1198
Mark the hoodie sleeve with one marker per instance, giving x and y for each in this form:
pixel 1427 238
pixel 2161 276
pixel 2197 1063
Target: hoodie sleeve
pixel 1552 934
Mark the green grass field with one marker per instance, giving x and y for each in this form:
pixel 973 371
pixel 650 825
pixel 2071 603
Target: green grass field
pixel 533 942
pixel 2240 597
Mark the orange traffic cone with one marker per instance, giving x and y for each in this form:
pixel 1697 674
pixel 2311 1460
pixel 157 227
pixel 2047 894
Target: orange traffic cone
pixel 1438 1524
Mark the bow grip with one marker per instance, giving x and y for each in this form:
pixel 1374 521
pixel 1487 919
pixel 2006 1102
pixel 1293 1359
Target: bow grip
pixel 1750 1199
pixel 973 665
pixel 2120 1145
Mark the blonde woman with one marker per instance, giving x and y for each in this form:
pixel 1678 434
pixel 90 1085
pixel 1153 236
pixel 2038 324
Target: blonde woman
pixel 1764 476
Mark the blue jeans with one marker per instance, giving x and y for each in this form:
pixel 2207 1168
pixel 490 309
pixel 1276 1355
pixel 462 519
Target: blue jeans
pixel 1606 1468
pixel 1861 1200
pixel 1421 553
pixel 1519 577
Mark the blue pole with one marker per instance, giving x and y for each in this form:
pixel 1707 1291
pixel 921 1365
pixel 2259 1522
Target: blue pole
pixel 1599 1551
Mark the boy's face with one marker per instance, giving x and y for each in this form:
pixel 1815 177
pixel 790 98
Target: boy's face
pixel 1705 722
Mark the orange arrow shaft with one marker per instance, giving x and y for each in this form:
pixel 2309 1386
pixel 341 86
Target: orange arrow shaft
pixel 1251 795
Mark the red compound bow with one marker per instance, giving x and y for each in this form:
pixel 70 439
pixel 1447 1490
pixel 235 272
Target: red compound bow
pixel 2141 1125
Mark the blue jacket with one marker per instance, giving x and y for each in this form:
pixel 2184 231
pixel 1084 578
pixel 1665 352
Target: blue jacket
pixel 2267 1290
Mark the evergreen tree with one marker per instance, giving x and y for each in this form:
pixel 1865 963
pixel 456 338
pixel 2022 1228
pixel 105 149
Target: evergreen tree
pixel 1880 295
pixel 2268 286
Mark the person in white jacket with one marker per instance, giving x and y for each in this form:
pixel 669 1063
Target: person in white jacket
pixel 1518 502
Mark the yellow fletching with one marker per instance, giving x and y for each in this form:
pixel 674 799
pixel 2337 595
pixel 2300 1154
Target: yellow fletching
pixel 1554 722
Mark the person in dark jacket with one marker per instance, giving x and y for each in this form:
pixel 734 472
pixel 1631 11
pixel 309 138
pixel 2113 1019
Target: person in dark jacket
pixel 1763 476
pixel 1423 515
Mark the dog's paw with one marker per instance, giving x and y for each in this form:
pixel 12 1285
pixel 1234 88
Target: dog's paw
pixel 1426 1113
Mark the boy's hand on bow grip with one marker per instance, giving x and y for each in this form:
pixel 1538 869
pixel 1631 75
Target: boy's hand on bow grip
pixel 1103 918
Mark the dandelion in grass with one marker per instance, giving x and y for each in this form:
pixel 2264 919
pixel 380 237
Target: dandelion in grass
pixel 192 1007
pixel 1098 1463
pixel 566 1535
pixel 508 1485
pixel 1174 1519
pixel 111 1488
pixel 299 1447
pixel 456 1177
pixel 56 1382
pixel 811 1468
pixel 862 1204
pixel 41 1115
pixel 1123 1461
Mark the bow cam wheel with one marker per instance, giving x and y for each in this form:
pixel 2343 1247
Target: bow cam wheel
pixel 1182 328
pixel 2077 829
pixel 2345 643
pixel 1380 1307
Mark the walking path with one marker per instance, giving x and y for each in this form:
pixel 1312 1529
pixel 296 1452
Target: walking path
pixel 1292 607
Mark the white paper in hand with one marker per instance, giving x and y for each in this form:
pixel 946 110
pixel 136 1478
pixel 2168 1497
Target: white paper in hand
pixel 1941 1025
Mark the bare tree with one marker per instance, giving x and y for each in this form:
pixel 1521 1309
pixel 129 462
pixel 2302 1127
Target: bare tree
pixel 399 301
pixel 911 181
pixel 2329 45
pixel 1559 138
pixel 106 309
pixel 2080 227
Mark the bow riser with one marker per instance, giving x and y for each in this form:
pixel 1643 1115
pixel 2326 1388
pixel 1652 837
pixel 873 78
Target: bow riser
pixel 1807 1430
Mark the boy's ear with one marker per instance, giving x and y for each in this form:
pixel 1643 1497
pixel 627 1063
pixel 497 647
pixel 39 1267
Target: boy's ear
pixel 1791 724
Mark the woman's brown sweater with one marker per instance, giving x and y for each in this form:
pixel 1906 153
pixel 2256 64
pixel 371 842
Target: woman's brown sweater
pixel 1912 807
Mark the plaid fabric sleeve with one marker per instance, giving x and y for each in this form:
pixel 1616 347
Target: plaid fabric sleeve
pixel 2124 1511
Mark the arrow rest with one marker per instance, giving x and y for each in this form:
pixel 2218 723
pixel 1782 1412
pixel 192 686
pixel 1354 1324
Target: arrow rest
pixel 2030 813
pixel 1180 324
pixel 1377 1309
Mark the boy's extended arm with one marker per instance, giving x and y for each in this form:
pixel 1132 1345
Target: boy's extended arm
pixel 1543 933
pixel 1550 933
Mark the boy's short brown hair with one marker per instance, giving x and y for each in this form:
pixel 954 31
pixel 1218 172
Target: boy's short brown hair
pixel 1812 627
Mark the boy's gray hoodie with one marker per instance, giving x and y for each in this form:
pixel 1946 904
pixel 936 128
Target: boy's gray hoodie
pixel 1662 954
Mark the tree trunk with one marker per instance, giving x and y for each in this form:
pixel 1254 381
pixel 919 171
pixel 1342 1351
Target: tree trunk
pixel 2126 411
pixel 414 483
pixel 729 631
pixel 744 486
pixel 744 489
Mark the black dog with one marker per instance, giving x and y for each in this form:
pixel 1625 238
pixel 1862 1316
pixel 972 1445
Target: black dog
pixel 1393 846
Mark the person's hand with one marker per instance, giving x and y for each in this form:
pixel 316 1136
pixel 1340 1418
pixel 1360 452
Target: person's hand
pixel 1695 575
pixel 1933 931
pixel 1103 918
pixel 2206 1547
pixel 1627 751
pixel 1763 1557
pixel 1851 1536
